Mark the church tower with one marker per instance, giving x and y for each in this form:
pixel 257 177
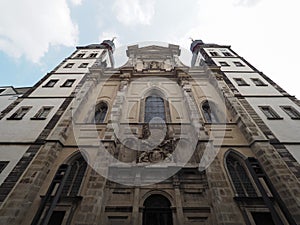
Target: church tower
pixel 154 141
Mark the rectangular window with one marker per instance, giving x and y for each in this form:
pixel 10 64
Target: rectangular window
pixel 83 65
pixel 20 113
pixel 57 218
pixel 51 83
pixel 68 83
pixel 1 90
pixel 3 164
pixel 238 64
pixel 270 113
pixel 80 55
pixel 291 111
pixel 213 53
pixel 224 64
pixel 258 82
pixel 262 218
pixel 69 65
pixel 93 55
pixel 42 113
pixel 227 54
pixel 241 82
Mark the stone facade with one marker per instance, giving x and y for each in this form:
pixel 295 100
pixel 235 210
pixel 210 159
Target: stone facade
pixel 151 142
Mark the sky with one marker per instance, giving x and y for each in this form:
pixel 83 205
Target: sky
pixel 36 35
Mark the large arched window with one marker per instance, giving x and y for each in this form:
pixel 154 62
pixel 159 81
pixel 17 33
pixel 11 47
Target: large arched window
pixel 239 176
pixel 100 112
pixel 157 210
pixel 154 107
pixel 209 112
pixel 62 197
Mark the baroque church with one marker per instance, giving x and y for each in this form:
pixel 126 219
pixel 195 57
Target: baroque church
pixel 155 141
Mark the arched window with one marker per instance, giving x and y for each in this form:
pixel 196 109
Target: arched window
pixel 239 176
pixel 100 112
pixel 157 210
pixel 62 193
pixel 209 112
pixel 154 107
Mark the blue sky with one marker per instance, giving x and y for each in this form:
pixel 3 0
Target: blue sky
pixel 36 35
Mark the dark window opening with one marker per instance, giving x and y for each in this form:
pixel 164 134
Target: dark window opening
pixel 43 112
pixel 258 82
pixel 238 64
pixel 83 65
pixel 214 53
pixel 227 54
pixel 100 112
pixel 20 113
pixel 154 107
pixel 209 113
pixel 241 82
pixel 262 218
pixel 51 83
pixel 224 64
pixel 69 65
pixel 80 55
pixel 57 218
pixel 93 55
pixel 291 111
pixel 3 164
pixel 157 211
pixel 68 83
pixel 269 112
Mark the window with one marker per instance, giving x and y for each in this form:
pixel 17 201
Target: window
pixel 239 177
pixel 154 107
pixel 56 218
pixel 69 65
pixel 291 111
pixel 269 112
pixel 65 186
pixel 1 90
pixel 68 83
pixel 213 53
pixel 20 113
pixel 83 65
pixel 262 218
pixel 42 113
pixel 93 55
pixel 258 82
pixel 80 55
pixel 238 64
pixel 209 112
pixel 51 83
pixel 224 64
pixel 100 112
pixel 241 82
pixel 227 54
pixel 3 164
pixel 157 210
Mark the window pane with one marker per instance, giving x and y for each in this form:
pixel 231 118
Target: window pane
pixel 154 108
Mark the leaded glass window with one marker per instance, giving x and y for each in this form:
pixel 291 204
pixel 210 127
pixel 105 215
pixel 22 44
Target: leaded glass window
pixel 239 177
pixel 154 107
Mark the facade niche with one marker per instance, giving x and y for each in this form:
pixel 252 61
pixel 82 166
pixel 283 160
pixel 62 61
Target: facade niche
pixel 209 112
pixel 100 112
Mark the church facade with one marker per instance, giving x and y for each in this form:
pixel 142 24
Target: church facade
pixel 154 141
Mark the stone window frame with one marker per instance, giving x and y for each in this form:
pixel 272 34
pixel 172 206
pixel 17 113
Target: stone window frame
pixel 240 81
pixel 41 115
pixel 68 83
pixel 258 82
pixel 51 83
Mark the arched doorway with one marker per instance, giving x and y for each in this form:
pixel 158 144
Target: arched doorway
pixel 157 211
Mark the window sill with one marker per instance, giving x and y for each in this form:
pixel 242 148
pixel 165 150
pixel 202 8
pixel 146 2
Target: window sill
pixel 243 84
pixel 295 118
pixel 47 86
pixel 261 85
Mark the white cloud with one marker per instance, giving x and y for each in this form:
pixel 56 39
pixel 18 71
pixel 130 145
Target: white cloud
pixel 133 12
pixel 76 2
pixel 29 27
pixel 247 3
